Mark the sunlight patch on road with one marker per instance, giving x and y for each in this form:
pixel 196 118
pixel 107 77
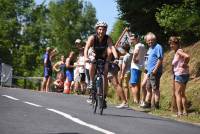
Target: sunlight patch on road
pixel 81 122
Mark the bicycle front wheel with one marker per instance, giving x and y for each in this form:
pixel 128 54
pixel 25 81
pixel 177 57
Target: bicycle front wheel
pixel 100 93
pixel 94 102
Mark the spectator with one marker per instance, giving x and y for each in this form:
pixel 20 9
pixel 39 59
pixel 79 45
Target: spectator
pixel 81 71
pixel 69 72
pixel 154 71
pixel 47 70
pixel 113 72
pixel 91 56
pixel 136 67
pixel 181 74
pixel 59 82
pixel 125 70
pixel 60 66
pixel 144 82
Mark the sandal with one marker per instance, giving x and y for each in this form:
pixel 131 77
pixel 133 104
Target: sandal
pixel 179 114
pixel 185 113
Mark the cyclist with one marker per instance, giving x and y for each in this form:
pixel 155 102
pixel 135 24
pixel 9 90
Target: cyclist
pixel 103 47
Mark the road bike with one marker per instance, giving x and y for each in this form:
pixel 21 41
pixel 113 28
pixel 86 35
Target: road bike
pixel 98 96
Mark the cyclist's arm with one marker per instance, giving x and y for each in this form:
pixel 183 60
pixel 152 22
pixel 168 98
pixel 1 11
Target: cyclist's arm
pixel 89 44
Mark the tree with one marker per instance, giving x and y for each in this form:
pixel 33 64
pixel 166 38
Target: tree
pixel 27 29
pixel 117 30
pixel 70 19
pixel 181 19
pixel 141 14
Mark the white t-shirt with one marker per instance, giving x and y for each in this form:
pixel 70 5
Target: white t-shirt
pixel 127 61
pixel 141 56
pixel 81 62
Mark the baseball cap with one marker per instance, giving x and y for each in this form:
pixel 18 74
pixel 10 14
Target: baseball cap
pixel 77 41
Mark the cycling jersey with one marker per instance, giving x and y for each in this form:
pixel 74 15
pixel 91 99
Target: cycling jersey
pixel 100 48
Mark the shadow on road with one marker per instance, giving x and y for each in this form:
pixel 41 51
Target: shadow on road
pixel 136 117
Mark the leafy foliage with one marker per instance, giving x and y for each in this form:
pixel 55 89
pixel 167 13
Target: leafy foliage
pixel 118 28
pixel 163 17
pixel 27 29
pixel 181 19
pixel 69 20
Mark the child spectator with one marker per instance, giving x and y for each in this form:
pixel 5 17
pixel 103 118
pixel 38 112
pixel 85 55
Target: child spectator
pixel 59 82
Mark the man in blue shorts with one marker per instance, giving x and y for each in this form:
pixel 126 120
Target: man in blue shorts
pixel 136 67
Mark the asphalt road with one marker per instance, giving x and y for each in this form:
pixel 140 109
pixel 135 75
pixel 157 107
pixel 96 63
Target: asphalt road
pixel 31 112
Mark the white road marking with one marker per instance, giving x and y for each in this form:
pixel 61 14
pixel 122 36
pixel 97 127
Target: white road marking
pixel 67 116
pixel 33 104
pixel 10 97
pixel 81 122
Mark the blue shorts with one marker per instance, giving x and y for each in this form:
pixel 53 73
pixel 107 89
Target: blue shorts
pixel 182 78
pixel 70 75
pixel 47 72
pixel 135 76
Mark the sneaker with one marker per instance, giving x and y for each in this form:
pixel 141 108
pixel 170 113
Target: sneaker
pixel 123 105
pixel 146 105
pixel 179 114
pixel 142 104
pixel 90 85
pixel 89 101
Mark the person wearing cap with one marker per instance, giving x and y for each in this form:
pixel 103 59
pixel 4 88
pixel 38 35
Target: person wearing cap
pixel 79 45
pixel 103 48
pixel 77 41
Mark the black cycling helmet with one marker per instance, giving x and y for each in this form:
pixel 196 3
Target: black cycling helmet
pixel 101 24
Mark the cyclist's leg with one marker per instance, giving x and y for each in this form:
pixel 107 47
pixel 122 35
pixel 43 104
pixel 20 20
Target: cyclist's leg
pixel 92 74
pixel 107 59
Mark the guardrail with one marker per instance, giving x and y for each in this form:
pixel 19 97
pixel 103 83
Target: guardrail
pixel 38 79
